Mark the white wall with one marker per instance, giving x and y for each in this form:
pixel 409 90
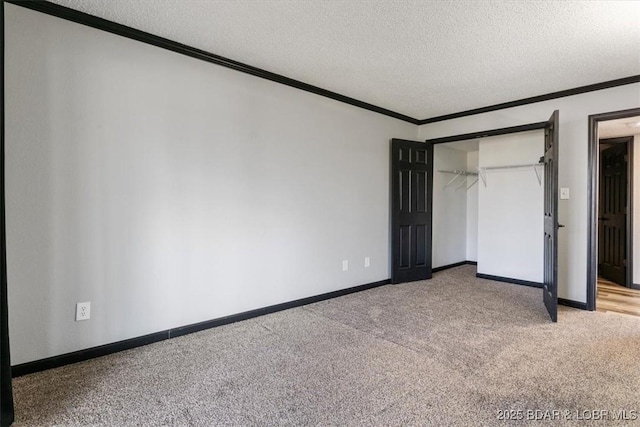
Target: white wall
pixel 168 191
pixel 573 168
pixel 449 208
pixel 472 208
pixel 511 208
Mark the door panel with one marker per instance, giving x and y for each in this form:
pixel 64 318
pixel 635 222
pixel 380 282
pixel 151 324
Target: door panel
pixel 404 185
pixel 550 282
pixel 404 246
pixel 420 180
pixel 411 194
pixel 421 246
pixel 612 212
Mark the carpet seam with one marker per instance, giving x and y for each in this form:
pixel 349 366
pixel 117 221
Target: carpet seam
pixel 363 332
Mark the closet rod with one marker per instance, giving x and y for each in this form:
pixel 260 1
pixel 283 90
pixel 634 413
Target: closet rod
pixel 458 174
pixel 528 165
pixel 535 166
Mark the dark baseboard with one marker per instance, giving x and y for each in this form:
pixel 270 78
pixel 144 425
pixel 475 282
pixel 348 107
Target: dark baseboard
pixel 86 354
pixel 561 301
pixel 455 264
pixel 635 286
pixel 103 350
pixel 573 304
pixel 509 280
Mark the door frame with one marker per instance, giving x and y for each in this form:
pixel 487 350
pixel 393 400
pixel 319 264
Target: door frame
pixel 592 195
pixel 486 133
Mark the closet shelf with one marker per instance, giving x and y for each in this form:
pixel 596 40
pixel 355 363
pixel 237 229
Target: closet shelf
pixel 458 174
pixel 537 168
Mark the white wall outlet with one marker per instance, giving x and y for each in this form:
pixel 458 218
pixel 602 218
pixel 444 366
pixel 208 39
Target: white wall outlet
pixel 345 264
pixel 367 261
pixel 83 311
pixel 564 194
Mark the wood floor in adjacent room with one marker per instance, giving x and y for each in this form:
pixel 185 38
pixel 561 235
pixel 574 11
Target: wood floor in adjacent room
pixel 451 351
pixel 617 299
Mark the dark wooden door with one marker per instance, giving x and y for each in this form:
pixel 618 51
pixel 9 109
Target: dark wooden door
pixel 411 201
pixel 550 283
pixel 612 212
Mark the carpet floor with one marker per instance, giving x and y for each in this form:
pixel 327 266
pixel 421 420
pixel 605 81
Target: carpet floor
pixel 454 350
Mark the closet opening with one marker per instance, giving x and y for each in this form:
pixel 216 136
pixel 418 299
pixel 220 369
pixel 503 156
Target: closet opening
pixel 506 183
pixel 490 203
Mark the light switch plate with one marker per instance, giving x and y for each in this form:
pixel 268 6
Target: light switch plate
pixel 564 194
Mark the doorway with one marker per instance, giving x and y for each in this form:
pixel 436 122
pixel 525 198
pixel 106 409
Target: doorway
pixel 615 195
pixel 611 285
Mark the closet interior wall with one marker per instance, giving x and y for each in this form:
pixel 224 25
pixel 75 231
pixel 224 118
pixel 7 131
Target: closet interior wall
pixel 510 208
pixel 449 208
pixel 494 218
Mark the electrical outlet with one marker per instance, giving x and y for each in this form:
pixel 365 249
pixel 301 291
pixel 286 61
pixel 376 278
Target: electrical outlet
pixel 367 262
pixel 83 311
pixel 345 264
pixel 564 194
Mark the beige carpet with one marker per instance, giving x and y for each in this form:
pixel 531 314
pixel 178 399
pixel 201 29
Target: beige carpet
pixel 454 350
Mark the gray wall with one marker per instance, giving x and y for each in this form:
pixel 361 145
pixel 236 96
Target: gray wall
pixel 449 208
pixel 511 208
pixel 169 191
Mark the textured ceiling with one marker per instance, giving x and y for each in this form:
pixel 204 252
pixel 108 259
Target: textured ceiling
pixel 620 127
pixel 419 58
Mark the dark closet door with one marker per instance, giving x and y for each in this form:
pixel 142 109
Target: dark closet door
pixel 411 201
pixel 612 215
pixel 550 284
